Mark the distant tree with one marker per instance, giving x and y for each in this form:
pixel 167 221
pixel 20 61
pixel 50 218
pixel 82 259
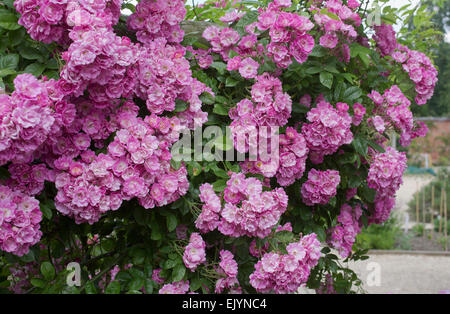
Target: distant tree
pixel 439 105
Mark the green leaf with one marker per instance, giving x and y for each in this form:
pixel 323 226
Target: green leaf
pixel 46 210
pixel 207 98
pixel 180 105
pixel 231 82
pixel 326 78
pixel 219 66
pixel 376 146
pixel 8 20
pixel 354 181
pixel 284 236
pixel 156 233
pixel 148 285
pixel 129 6
pixel 170 263
pixel 195 284
pixel 16 37
pixel 30 53
pixel 318 51
pixel 313 70
pixel 48 271
pixel 9 61
pixel 250 17
pixel 37 282
pixel 136 284
pixel 113 288
pixel 329 14
pixel 360 146
pixel 171 222
pixel 351 94
pixel 178 273
pixel 367 193
pixel 220 172
pixel 220 110
pixel 35 68
pixel 175 164
pixel 219 185
pixel 6 72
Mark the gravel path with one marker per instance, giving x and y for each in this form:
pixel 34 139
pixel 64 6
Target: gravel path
pixel 411 184
pixel 404 273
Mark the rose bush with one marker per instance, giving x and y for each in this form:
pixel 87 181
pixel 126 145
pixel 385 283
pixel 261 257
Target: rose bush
pixel 88 138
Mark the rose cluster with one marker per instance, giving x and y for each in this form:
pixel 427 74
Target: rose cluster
pixel 20 216
pixel 288 34
pixel 285 273
pixel 385 39
pixel 421 71
pixel 385 176
pixel 102 63
pixel 247 211
pixel 194 252
pixel 288 164
pixel 28 117
pixel 29 179
pixel 343 235
pixel 228 270
pixel 91 125
pixel 164 77
pixel 329 128
pixel 338 30
pixel 269 107
pixel 320 187
pixel 137 165
pixel 392 109
pixel 158 19
pixel 49 20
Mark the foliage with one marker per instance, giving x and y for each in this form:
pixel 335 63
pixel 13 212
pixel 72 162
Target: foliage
pixel 439 182
pixel 136 237
pixel 387 236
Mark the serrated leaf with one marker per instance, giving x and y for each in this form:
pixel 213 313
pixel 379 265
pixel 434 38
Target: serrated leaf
pixel 360 145
pixel 9 61
pixel 284 236
pixel 352 93
pixel 180 105
pixel 231 82
pixel 219 66
pixel 35 68
pixel 136 284
pixel 219 185
pixel 207 98
pixel 220 110
pixel 148 286
pixel 6 72
pixel 171 222
pixel 8 20
pixel 48 271
pixel 178 273
pixel 30 53
pixel 326 78
pixel 37 282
